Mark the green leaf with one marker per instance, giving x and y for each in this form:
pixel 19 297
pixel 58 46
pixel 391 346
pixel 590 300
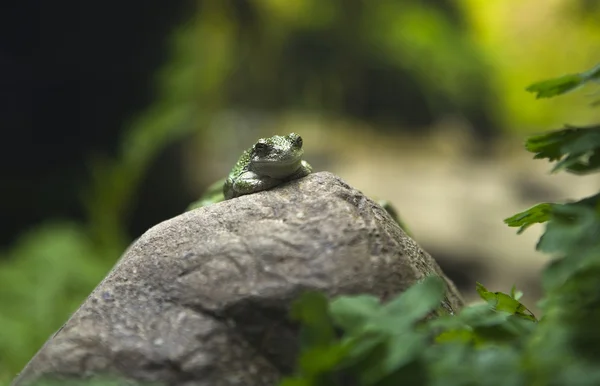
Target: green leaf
pixel 515 294
pixel 310 309
pixel 364 344
pixel 481 315
pixel 483 292
pixel 383 338
pixel 573 227
pixel 297 381
pixel 418 301
pixel 321 351
pixel 400 350
pixel 534 215
pixel 505 303
pixel 319 360
pixel 353 312
pixel 456 364
pixel 561 269
pixel 462 336
pixel 482 325
pixel 576 148
pixel 356 312
pixel 566 83
pixel 557 86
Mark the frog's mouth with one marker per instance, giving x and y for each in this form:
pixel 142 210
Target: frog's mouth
pixel 278 168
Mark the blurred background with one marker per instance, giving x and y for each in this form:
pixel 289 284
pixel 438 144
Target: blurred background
pixel 116 115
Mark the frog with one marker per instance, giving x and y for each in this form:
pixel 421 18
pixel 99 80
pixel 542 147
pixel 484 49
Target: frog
pixel 268 163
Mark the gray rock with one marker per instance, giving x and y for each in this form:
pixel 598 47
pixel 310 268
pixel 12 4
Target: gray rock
pixel 202 299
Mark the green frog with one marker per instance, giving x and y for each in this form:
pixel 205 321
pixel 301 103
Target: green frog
pixel 268 163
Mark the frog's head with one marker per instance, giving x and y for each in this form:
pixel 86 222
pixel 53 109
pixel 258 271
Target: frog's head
pixel 277 156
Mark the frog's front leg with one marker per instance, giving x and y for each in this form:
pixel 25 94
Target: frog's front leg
pixel 246 183
pixel 303 170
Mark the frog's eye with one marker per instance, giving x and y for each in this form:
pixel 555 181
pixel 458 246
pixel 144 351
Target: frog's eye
pixel 298 141
pixel 261 146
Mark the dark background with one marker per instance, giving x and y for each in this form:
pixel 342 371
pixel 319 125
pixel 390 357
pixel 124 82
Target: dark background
pixel 71 74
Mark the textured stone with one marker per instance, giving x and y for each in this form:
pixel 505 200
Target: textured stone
pixel 202 299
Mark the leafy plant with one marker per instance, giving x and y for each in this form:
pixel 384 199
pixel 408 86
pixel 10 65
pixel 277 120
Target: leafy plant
pixel 360 341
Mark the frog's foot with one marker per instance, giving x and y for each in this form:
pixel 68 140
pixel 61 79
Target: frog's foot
pixel 248 183
pixel 304 170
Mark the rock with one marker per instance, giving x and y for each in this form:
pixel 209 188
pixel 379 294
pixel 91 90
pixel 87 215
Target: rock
pixel 202 299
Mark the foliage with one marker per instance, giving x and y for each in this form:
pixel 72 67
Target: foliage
pixel 410 60
pixel 521 50
pixel 564 84
pixel 359 341
pixel 387 344
pixel 576 148
pixel 539 213
pixel 47 271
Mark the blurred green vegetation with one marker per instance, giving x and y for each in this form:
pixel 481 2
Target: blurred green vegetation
pixel 534 40
pixel 398 63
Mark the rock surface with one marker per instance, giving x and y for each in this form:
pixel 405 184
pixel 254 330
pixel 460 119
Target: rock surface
pixel 202 299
